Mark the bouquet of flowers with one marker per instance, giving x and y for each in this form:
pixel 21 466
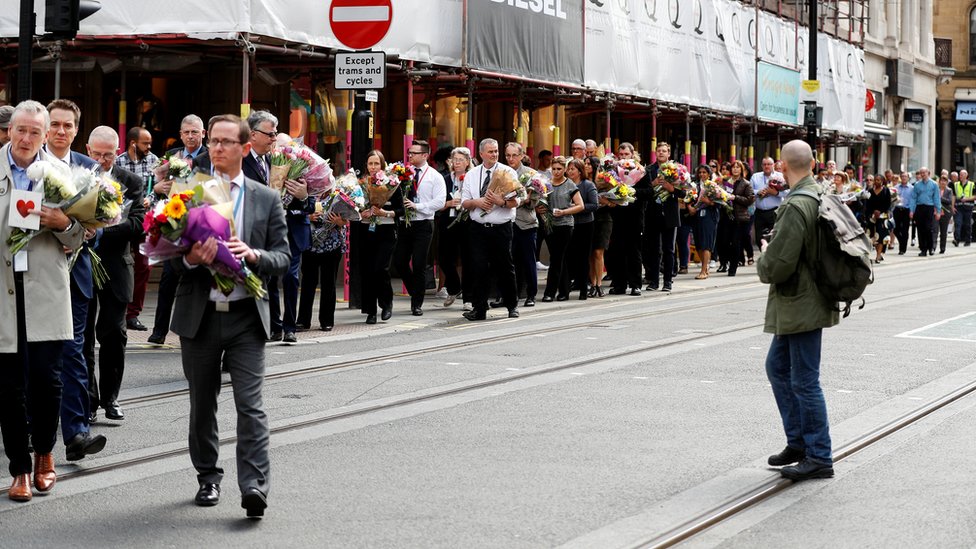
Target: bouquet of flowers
pixel 503 184
pixel 718 195
pixel 776 181
pixel 675 174
pixel 379 188
pixel 104 206
pixel 289 162
pixel 346 199
pixel 629 171
pixel 403 174
pixel 94 201
pixel 608 163
pixel 620 195
pixel 605 180
pixel 180 221
pixel 172 166
pixel 691 193
pixel 537 187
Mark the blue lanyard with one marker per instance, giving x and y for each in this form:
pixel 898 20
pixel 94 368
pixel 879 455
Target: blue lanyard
pixel 238 202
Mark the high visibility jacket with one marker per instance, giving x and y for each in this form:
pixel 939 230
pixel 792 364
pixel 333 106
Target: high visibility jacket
pixel 964 190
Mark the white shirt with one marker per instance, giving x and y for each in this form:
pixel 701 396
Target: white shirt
pixel 262 164
pixel 472 190
pixel 759 182
pixel 431 193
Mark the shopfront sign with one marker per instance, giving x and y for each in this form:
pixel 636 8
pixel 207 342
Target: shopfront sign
pixel 874 108
pixel 537 39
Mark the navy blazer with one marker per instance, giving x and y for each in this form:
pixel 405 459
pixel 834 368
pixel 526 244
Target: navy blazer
pixel 114 243
pixel 296 212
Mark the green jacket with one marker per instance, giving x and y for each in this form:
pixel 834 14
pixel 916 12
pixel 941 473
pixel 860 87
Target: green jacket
pixel 795 304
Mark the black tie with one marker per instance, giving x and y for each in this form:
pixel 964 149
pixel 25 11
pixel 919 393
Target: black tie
pixel 416 184
pixel 484 185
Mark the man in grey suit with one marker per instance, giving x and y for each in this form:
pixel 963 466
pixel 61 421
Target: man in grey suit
pixel 230 330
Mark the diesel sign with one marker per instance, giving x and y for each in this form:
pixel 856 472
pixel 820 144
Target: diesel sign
pixel 552 8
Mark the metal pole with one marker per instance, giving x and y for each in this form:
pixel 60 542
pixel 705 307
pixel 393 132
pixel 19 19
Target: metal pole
pixel 704 159
pixel 812 71
pixel 24 52
pixel 408 137
pixel 653 131
pixel 607 145
pixel 469 131
pixel 123 110
pixel 57 77
pixel 245 84
pixel 687 157
pixel 732 155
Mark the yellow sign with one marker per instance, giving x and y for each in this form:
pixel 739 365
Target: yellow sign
pixel 811 86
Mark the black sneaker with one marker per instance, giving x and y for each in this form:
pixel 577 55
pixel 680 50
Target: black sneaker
pixel 787 456
pixel 806 470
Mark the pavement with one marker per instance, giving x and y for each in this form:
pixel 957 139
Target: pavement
pixel 603 453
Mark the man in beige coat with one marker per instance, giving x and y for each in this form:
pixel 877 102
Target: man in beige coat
pixel 34 289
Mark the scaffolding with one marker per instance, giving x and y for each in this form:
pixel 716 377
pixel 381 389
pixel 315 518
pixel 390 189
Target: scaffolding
pixel 843 19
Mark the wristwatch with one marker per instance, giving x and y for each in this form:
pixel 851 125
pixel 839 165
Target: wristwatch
pixel 71 225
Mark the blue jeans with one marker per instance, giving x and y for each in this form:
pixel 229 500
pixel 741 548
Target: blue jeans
pixel 793 369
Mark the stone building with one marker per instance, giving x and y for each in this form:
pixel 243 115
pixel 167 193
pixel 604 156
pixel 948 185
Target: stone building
pixel 955 53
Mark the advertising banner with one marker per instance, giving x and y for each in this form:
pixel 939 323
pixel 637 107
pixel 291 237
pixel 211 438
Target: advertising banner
pixel 538 39
pixel 779 94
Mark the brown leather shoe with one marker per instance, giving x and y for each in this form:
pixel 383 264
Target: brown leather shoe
pixel 44 475
pixel 20 490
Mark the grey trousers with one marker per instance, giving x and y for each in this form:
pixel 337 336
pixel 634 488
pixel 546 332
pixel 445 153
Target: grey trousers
pixel 235 339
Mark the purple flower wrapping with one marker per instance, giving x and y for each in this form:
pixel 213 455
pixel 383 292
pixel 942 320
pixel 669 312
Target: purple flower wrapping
pixel 204 222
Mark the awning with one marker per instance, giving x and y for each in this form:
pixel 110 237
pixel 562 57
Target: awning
pixel 877 131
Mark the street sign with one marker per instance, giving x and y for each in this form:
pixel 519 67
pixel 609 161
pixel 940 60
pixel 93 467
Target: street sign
pixel 360 24
pixel 811 86
pixel 372 96
pixel 360 71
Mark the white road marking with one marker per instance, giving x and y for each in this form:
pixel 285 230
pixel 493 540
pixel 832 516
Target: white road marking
pixel 845 391
pixel 453 363
pixel 640 377
pixel 707 381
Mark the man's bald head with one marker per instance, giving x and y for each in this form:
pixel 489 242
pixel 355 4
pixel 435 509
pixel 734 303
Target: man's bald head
pixel 798 157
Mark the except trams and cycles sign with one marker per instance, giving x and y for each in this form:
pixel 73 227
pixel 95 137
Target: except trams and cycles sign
pixel 360 71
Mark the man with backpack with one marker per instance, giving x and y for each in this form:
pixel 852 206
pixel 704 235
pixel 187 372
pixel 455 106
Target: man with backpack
pixel 796 313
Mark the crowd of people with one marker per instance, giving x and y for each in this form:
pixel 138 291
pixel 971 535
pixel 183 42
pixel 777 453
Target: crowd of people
pixel 486 245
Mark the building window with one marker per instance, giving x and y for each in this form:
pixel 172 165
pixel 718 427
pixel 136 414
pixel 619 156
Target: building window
pixel 972 37
pixel 943 52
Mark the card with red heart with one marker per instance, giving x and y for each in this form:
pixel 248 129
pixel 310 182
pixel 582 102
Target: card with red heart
pixel 21 204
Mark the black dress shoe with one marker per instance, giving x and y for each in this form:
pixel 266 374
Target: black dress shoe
pixel 513 312
pixel 635 291
pixel 93 416
pixel 156 339
pixel 562 298
pixel 666 288
pixel 807 469
pixel 614 291
pixel 475 314
pixel 290 337
pixel 787 456
pixel 547 299
pixel 497 304
pixel 370 319
pixel 113 411
pixel 134 324
pixel 386 314
pixel 417 311
pixel 722 269
pixel 529 302
pixel 302 327
pixel 83 444
pixel 254 502
pixel 208 495
pixel 326 328
pixel 651 288
pixel 276 336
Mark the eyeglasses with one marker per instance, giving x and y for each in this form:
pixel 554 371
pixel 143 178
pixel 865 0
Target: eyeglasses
pixel 413 153
pixel 99 156
pixel 272 135
pixel 215 143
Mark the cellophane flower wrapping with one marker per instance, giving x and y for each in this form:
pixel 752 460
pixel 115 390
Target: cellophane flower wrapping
pixel 629 172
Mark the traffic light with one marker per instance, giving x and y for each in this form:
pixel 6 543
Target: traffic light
pixel 61 17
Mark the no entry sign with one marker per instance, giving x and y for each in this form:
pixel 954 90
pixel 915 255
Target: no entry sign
pixel 360 24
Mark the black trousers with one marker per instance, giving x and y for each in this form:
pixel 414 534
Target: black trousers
pixel 659 241
pixel 902 222
pixel 30 387
pixel 924 219
pixel 319 268
pixel 963 227
pixel 106 323
pixel 410 258
pixel 943 226
pixel 166 293
pixel 377 252
pixel 523 252
pixel 490 248
pixel 740 240
pixel 625 248
pixel 449 245
pixel 765 219
pixel 558 242
pixel 723 239
pixel 577 274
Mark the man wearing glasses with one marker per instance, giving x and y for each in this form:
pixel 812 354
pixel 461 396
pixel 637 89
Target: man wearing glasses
pixel 107 309
pixel 579 149
pixel 298 205
pixel 196 153
pixel 425 196
pixel 230 330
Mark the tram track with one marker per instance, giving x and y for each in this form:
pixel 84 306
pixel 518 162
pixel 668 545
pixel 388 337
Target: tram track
pixel 676 535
